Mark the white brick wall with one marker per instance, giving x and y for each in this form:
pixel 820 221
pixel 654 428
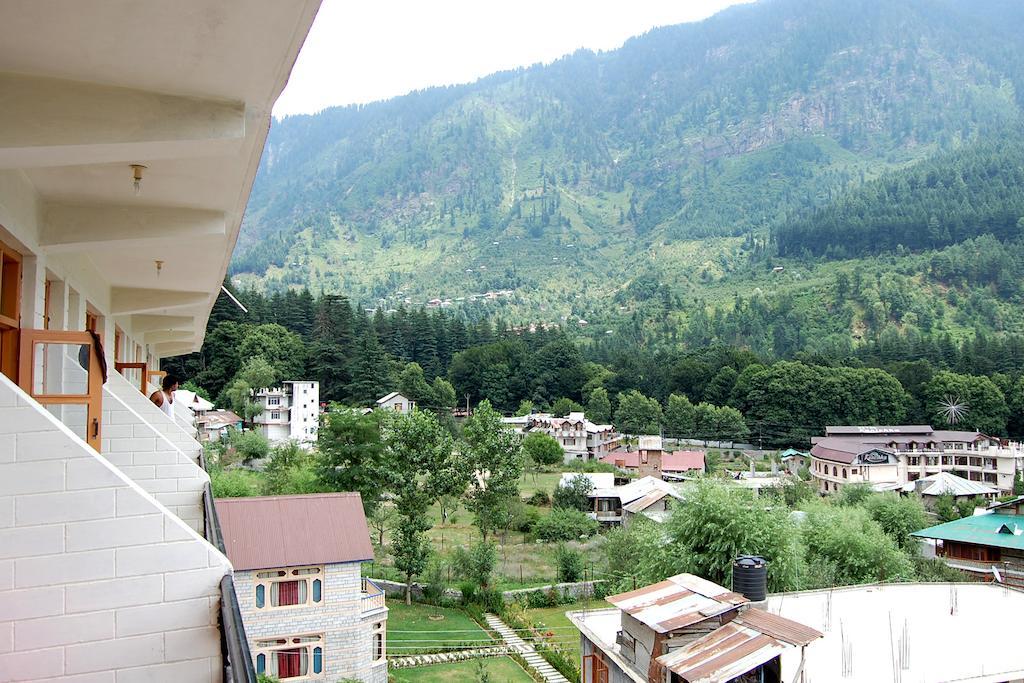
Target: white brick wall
pixel 182 436
pixel 347 631
pixel 152 460
pixel 99 582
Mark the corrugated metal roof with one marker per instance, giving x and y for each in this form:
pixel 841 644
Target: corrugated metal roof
pixel 777 626
pixel 671 461
pixel 722 655
pixel 641 504
pixel 753 638
pixel 946 482
pixel 286 531
pixel 999 531
pixel 677 602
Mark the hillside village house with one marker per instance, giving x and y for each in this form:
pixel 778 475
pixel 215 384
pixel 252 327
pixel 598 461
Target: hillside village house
pixel 396 402
pixel 130 134
pixel 290 412
pixel 580 438
pixel 891 456
pixel 651 460
pixel 308 613
pixel 649 496
pixel 215 424
pixel 688 630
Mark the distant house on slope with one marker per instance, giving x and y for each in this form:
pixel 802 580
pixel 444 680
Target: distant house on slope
pixel 579 438
pixel 945 483
pixel 397 403
pixel 651 460
pixel 609 504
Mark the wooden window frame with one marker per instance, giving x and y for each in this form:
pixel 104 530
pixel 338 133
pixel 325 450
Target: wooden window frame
pixel 290 574
pixel 10 301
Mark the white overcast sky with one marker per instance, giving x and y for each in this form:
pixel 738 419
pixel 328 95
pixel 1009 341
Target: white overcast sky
pixel 365 50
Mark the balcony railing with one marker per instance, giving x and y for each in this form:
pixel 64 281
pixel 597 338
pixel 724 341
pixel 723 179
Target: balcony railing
pixel 234 645
pixel 373 596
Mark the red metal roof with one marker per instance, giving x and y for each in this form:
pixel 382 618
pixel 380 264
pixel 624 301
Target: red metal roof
pixel 677 602
pixel 286 531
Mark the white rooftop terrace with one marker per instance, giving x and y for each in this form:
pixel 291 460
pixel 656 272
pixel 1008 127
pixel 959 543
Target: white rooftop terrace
pixel 931 631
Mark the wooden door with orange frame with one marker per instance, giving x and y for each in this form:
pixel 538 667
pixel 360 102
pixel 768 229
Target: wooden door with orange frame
pixel 63 372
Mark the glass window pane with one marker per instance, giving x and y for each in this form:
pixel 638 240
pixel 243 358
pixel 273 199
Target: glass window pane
pixel 261 595
pixel 75 417
pixel 60 369
pixel 318 660
pixel 261 663
pixel 316 590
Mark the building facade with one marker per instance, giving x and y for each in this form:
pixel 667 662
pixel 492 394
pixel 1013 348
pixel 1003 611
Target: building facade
pixel 652 460
pixel 308 613
pixel 290 412
pixel 580 438
pixel 129 141
pixel 891 456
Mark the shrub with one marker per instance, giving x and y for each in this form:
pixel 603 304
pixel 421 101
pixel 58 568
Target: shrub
pixel 491 600
pixel 563 663
pixel 539 499
pixel 564 524
pixel 569 563
pixel 854 494
pixel 469 590
pixel 434 580
pixel 250 445
pixel 232 484
pixel 526 519
pixel 898 516
pixel 855 543
pixel 536 599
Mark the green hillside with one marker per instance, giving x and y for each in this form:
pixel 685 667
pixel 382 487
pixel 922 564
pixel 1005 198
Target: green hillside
pixel 653 190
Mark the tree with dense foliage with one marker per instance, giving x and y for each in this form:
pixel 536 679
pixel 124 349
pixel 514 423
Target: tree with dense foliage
pixel 568 563
pixel 421 467
pixel 542 449
pixel 256 373
pixel 986 409
pixel 563 406
pixel 599 407
pixel 414 386
pixel 679 417
pixel 638 414
pixel 370 370
pixel 717 522
pixel 573 494
pixel 899 516
pixel 351 455
pixel 494 454
pixel 846 546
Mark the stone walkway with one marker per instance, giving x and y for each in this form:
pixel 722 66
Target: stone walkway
pixel 526 651
pixel 446 657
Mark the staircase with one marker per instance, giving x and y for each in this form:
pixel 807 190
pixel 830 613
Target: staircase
pixel 525 650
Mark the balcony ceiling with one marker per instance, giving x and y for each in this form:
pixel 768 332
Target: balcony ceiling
pixel 185 88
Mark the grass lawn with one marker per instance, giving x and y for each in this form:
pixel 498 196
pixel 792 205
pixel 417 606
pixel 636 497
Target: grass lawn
pixel 501 669
pixel 411 629
pixel 565 634
pixel 531 482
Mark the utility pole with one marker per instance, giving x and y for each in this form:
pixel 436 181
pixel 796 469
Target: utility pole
pixel 467 405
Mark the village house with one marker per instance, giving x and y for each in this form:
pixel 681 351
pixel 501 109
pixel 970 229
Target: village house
pixel 579 438
pixel 933 486
pixel 649 496
pixel 290 412
pixel 651 460
pixel 397 403
pixel 130 137
pixel 793 460
pixel 883 456
pixel 989 545
pixel 215 424
pixel 308 612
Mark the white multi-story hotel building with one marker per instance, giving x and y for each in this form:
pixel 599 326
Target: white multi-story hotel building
pixel 130 135
pixel 289 412
pixel 888 457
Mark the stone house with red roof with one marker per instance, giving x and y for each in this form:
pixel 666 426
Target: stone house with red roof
pixel 308 612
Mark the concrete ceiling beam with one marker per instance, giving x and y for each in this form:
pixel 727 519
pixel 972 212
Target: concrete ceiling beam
pixel 69 228
pixel 129 300
pixel 47 122
pixel 143 323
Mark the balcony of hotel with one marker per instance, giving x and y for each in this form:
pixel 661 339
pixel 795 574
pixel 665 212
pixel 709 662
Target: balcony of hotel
pixel 122 186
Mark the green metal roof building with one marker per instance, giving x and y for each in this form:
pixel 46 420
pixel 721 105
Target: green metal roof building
pixel 988 546
pixel 993 530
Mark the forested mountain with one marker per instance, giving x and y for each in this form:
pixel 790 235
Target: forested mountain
pixel 655 190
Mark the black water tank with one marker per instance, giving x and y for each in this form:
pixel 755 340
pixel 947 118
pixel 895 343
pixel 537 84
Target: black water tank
pixel 750 577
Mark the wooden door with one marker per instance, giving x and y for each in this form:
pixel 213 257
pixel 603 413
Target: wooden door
pixel 61 371
pixel 134 372
pixel 10 310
